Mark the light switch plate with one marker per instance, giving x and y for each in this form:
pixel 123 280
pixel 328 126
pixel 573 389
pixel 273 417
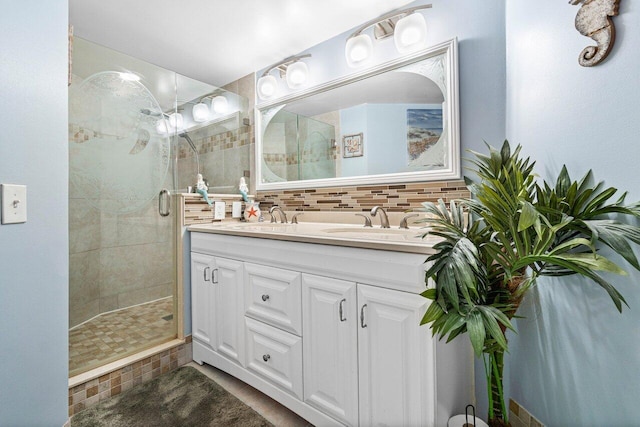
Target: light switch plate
pixel 14 203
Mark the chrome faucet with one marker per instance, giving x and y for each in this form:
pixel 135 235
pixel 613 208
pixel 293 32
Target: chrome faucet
pixel 367 220
pixel 403 222
pixel 384 220
pixel 283 216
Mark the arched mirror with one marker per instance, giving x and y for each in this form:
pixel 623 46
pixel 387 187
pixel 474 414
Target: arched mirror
pixel 397 122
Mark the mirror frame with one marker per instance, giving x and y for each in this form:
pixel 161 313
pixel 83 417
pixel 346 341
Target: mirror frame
pixel 451 172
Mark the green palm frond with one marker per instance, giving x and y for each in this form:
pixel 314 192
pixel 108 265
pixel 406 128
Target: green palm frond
pixel 515 226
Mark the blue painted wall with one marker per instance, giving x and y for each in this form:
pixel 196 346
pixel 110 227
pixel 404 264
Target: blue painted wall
pixel 34 256
pixel 576 360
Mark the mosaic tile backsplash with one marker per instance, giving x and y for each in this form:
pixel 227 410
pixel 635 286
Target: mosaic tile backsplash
pixel 392 197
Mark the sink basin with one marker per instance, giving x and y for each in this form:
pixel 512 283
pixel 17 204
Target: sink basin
pixel 396 234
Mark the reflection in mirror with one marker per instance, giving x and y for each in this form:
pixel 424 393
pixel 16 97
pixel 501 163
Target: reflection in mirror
pixel 214 139
pixel 396 123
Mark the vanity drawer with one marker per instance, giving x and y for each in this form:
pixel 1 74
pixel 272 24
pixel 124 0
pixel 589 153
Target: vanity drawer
pixel 273 295
pixel 275 355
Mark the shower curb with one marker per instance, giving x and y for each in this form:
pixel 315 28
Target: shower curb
pixel 86 390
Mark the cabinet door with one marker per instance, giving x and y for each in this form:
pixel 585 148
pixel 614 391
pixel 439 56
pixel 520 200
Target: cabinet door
pixel 330 347
pixel 229 309
pixel 202 298
pixel 393 359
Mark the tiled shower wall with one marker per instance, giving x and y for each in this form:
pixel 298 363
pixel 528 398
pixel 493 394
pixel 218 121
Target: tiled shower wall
pixel 224 158
pixel 115 260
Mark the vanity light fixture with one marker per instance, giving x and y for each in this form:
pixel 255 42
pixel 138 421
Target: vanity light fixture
pixel 219 104
pixel 292 69
pixel 162 126
pixel 408 28
pixel 176 121
pixel 200 112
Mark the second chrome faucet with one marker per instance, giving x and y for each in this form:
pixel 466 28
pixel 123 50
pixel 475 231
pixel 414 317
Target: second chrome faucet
pixel 283 216
pixel 384 219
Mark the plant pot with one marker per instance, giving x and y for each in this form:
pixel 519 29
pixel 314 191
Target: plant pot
pixel 461 421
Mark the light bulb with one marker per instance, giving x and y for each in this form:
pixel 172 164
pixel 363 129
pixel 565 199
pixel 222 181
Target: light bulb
pixel 267 86
pixel 220 104
pixel 410 33
pixel 358 50
pixel 297 74
pixel 176 121
pixel 161 127
pixel 129 77
pixel 200 112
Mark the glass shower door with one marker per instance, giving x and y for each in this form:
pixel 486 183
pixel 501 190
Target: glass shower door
pixel 122 229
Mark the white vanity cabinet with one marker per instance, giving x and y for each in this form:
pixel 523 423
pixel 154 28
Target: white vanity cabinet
pixel 331 332
pixel 217 305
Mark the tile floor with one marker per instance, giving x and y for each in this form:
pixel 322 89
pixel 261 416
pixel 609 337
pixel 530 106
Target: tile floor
pixel 112 336
pixel 271 410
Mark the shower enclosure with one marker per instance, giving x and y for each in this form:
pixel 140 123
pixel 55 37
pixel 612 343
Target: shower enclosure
pixel 297 147
pixel 122 224
pixel 138 135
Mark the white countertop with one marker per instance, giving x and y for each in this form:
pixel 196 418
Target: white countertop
pixel 353 235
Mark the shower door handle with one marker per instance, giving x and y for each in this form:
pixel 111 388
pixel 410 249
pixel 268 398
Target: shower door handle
pixel 164 202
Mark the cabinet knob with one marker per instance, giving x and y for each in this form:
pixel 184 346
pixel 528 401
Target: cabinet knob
pixel 265 297
pixel 266 357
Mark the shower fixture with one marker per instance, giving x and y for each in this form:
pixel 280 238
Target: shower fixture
pixel 165 123
pixel 186 136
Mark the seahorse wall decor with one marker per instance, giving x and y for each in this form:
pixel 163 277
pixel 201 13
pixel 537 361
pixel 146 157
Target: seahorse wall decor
pixel 594 20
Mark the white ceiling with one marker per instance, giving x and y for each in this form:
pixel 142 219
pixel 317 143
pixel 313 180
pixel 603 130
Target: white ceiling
pixel 218 41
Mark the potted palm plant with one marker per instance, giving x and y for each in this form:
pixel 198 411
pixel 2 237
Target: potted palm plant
pixel 513 230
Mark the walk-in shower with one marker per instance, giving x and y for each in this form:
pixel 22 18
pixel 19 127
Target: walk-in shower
pixel 122 239
pixel 134 145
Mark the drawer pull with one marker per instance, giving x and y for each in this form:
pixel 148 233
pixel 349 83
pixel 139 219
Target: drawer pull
pixel 265 297
pixel 342 318
pixel 362 324
pixel 214 276
pixel 205 273
pixel 266 357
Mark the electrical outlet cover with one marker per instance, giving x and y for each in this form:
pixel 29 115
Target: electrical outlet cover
pixel 14 203
pixel 219 210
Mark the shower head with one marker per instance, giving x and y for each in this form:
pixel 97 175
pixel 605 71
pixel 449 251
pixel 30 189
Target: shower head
pixel 148 112
pixel 186 136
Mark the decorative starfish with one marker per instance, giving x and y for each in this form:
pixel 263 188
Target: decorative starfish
pixel 253 212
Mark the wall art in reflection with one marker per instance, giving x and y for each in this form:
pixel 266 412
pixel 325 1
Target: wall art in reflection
pixel 424 129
